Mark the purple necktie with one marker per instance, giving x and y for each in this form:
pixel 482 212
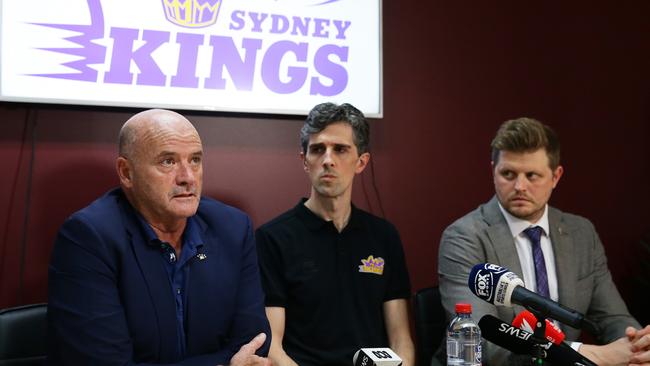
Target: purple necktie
pixel 534 234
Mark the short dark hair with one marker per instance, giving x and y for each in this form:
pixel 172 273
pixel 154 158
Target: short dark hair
pixel 526 135
pixel 325 114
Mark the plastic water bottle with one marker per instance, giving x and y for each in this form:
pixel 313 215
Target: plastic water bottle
pixel 463 339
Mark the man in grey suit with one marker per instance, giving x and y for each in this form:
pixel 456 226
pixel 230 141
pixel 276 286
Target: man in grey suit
pixel 565 262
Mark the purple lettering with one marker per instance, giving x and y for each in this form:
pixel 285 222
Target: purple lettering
pixel 237 20
pixel 341 27
pixel 337 73
pixel 226 55
pixel 257 20
pixel 123 54
pixel 279 23
pixel 300 25
pixel 284 68
pixel 271 67
pixel 189 50
pixel 319 28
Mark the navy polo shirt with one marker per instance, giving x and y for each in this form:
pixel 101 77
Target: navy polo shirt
pixel 332 284
pixel 178 271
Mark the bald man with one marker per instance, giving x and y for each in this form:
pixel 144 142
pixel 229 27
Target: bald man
pixel 153 273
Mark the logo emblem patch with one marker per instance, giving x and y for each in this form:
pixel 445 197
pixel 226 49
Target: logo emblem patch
pixel 372 265
pixel 192 13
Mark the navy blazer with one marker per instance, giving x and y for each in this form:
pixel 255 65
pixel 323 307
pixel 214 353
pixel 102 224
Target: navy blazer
pixel 110 301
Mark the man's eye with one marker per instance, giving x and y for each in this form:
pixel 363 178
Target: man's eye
pixel 316 149
pixel 507 174
pixel 196 160
pixel 167 162
pixel 341 149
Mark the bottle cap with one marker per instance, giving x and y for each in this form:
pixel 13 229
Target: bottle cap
pixel 463 308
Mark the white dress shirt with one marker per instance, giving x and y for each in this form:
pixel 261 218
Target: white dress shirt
pixel 525 250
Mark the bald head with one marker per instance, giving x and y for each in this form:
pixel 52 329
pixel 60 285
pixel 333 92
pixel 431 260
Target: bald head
pixel 160 166
pixel 140 129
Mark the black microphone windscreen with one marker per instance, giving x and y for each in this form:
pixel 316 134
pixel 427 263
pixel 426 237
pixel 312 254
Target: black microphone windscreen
pixel 521 342
pixel 505 335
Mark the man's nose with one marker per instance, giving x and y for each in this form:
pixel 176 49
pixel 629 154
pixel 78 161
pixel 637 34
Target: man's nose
pixel 521 182
pixel 185 174
pixel 328 158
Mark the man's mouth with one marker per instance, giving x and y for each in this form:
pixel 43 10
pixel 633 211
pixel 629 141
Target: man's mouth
pixel 184 195
pixel 519 199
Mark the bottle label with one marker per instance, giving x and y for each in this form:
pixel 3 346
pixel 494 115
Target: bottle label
pixel 477 353
pixel 452 348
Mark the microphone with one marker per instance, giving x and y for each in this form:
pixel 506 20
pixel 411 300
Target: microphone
pixel 376 357
pixel 498 286
pixel 528 322
pixel 522 342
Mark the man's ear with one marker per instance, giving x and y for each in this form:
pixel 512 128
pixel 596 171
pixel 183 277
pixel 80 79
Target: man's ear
pixel 557 174
pixel 303 157
pixel 362 162
pixel 124 171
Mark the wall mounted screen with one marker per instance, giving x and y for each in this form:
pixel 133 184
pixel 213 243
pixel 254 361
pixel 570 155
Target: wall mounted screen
pixel 261 56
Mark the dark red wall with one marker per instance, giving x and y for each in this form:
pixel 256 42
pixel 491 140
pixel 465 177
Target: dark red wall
pixel 452 74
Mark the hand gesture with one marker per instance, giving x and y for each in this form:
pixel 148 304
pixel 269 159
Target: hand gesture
pixel 246 355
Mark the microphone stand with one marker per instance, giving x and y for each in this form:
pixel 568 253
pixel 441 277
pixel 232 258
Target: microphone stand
pixel 539 339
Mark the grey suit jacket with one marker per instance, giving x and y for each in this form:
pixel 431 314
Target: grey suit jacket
pixel 584 281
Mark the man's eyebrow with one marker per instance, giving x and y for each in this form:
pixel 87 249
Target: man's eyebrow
pixel 337 144
pixel 165 153
pixel 171 153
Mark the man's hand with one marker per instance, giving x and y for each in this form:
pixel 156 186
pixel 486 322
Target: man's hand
pixel 246 355
pixel 640 340
pixel 618 352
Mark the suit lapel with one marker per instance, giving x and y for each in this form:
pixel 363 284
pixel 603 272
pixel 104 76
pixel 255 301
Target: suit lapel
pixel 501 239
pixel 202 271
pixel 564 257
pixel 156 278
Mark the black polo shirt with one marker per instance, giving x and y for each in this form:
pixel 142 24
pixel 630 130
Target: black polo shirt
pixel 332 285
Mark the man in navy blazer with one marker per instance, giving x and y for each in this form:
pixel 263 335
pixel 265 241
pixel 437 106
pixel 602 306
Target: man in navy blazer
pixel 153 273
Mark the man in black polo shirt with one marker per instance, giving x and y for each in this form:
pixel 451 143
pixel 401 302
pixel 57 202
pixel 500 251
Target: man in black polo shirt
pixel 334 276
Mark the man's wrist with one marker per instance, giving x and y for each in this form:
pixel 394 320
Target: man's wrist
pixel 575 345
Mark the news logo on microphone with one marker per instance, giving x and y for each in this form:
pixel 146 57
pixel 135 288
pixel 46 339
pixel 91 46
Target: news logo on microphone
pixel 376 357
pixel 491 283
pixel 527 321
pixel 500 287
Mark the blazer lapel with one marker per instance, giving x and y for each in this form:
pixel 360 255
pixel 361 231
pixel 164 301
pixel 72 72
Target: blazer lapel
pixel 504 245
pixel 565 266
pixel 155 275
pixel 203 271
pixel 501 238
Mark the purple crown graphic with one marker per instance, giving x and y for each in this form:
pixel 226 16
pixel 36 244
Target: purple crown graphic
pixel 372 265
pixel 192 13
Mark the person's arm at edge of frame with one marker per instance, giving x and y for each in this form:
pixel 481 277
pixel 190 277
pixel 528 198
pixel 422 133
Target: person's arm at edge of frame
pixel 278 356
pixel 398 331
pixel 609 311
